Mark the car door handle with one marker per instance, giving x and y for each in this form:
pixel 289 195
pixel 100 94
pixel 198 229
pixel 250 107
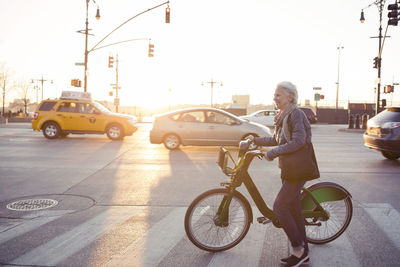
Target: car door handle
pixel 59 115
pixel 82 116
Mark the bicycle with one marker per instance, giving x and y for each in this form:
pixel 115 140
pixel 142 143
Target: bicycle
pixel 220 218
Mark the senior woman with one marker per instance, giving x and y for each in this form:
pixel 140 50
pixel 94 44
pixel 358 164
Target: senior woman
pixel 292 141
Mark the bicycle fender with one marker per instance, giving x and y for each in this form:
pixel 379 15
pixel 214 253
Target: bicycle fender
pixel 324 192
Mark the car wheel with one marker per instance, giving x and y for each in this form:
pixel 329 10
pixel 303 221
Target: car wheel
pixel 115 132
pixel 171 141
pixel 51 130
pixel 252 145
pixel 390 155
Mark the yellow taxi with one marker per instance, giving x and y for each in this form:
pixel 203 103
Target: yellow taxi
pixel 76 113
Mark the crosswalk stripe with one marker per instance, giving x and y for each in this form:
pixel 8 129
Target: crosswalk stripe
pixel 247 252
pixel 387 218
pixel 340 250
pixel 65 245
pixel 10 231
pixel 152 247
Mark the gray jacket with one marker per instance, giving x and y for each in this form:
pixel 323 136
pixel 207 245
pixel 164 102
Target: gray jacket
pixel 300 131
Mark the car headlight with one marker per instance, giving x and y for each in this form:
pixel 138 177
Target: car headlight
pixel 390 125
pixel 132 121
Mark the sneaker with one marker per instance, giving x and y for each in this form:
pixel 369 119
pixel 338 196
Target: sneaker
pixel 293 261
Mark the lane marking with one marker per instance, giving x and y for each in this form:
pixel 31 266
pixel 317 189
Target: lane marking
pixel 387 218
pixel 65 245
pixel 13 230
pixel 153 246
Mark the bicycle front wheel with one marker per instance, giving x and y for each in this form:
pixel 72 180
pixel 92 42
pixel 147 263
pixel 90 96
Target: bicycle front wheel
pixel 202 225
pixel 339 210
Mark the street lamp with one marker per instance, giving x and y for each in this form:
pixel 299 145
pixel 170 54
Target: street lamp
pixel 339 48
pixel 212 87
pixel 380 4
pixel 86 39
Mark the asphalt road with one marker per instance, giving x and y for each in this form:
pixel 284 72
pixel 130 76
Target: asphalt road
pixel 122 203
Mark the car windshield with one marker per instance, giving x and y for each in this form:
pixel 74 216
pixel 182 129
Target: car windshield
pixel 101 107
pixel 390 114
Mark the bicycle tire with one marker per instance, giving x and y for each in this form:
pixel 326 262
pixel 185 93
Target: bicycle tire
pixel 340 214
pixel 200 225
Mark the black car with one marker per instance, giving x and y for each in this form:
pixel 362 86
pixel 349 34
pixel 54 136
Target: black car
pixel 383 133
pixel 312 118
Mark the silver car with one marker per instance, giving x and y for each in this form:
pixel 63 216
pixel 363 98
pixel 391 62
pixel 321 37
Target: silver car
pixel 264 117
pixel 202 127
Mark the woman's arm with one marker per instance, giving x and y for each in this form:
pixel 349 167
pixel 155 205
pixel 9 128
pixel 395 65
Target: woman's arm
pixel 265 141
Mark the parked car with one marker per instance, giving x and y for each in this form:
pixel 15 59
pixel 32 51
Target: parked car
pixel 264 117
pixel 76 113
pixel 202 127
pixel 383 133
pixel 310 114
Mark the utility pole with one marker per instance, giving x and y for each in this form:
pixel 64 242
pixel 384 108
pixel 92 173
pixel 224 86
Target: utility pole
pixel 337 84
pixel 4 94
pixel 212 88
pixel 42 81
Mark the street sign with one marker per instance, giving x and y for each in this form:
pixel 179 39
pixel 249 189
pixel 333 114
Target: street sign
pixel 317 97
pixel 79 64
pixel 317 88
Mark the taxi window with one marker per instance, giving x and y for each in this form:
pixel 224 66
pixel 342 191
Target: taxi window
pixel 67 107
pixel 46 106
pixel 85 108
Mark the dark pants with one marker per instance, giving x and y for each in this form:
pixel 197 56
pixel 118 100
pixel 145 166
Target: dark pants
pixel 287 208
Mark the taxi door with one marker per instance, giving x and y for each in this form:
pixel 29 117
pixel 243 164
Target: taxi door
pixel 67 115
pixel 89 118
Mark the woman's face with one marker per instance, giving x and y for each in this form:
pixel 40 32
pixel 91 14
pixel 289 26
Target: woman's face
pixel 282 98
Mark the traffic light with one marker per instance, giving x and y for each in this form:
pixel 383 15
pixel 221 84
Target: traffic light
pixel 383 102
pixel 377 62
pixel 385 89
pixel 76 83
pixel 110 93
pixel 151 50
pixel 389 89
pixel 110 61
pixel 393 14
pixel 321 97
pixel 167 14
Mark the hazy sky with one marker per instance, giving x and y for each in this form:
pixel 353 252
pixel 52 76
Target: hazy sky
pixel 249 45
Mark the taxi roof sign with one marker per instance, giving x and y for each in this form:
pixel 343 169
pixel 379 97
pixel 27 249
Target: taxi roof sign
pixel 76 95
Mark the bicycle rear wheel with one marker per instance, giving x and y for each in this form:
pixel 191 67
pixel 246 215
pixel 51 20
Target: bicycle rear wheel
pixel 339 209
pixel 202 226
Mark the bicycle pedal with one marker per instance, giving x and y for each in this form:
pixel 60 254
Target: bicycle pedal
pixel 263 220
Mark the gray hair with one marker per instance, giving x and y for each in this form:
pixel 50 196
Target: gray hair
pixel 290 88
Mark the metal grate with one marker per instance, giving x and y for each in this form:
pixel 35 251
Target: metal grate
pixel 32 204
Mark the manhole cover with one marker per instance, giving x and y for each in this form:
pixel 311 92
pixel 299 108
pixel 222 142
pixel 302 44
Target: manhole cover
pixel 32 204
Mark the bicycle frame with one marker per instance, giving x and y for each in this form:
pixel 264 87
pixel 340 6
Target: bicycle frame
pixel 310 204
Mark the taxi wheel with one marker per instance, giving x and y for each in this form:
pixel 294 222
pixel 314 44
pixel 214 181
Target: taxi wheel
pixel 115 132
pixel 51 130
pixel 171 141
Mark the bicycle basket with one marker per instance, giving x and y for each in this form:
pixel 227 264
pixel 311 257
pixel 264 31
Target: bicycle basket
pixel 223 156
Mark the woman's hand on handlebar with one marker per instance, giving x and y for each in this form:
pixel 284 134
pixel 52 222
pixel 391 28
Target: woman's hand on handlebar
pixel 250 137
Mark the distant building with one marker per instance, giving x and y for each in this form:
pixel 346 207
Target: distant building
pixel 242 100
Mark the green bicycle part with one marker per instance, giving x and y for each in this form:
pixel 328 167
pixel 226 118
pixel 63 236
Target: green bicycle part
pixel 327 192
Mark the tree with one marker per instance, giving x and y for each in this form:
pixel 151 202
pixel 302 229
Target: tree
pixel 22 89
pixel 5 84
